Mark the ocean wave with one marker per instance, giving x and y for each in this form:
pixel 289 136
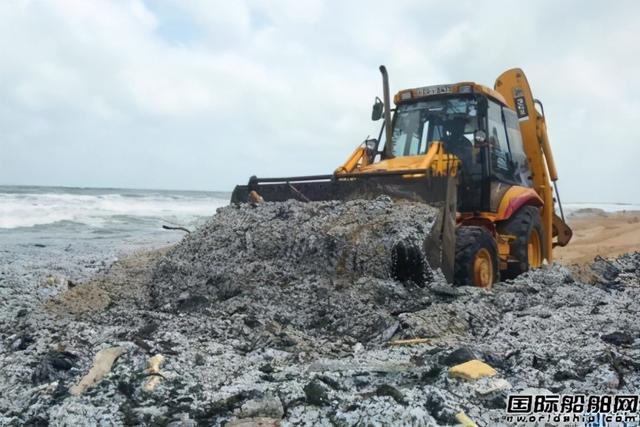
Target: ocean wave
pixel 99 209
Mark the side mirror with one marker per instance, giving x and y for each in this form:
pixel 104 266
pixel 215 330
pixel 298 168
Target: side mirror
pixel 378 108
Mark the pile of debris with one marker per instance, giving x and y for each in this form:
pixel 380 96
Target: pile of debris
pixel 289 314
pixel 295 271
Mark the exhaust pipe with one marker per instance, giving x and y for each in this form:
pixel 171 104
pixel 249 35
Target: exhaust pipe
pixel 387 109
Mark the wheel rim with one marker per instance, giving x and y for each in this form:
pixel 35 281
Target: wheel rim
pixel 534 250
pixel 483 269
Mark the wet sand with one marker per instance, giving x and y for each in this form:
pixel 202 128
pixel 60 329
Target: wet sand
pixel 596 232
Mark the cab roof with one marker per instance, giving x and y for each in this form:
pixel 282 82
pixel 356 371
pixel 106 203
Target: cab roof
pixel 414 94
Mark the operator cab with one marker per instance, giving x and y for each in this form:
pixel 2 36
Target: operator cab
pixel 474 124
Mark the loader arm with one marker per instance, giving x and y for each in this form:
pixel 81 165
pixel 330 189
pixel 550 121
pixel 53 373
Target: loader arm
pixel 515 89
pixel 356 159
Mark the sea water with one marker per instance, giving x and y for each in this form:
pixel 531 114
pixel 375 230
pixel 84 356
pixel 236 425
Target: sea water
pixel 113 217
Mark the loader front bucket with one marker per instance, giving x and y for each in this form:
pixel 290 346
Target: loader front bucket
pixel 416 186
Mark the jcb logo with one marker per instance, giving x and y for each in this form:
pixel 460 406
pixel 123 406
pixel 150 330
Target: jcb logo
pixel 521 108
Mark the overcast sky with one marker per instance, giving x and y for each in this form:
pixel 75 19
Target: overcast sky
pixel 201 95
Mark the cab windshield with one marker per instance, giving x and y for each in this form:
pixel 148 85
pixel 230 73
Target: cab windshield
pixel 450 120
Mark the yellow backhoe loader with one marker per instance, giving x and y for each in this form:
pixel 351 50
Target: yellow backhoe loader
pixel 481 155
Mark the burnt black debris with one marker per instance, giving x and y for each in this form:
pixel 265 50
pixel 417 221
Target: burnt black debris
pixel 312 269
pixel 281 244
pixel 286 312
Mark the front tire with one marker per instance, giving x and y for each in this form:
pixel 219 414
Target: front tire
pixel 526 249
pixel 476 262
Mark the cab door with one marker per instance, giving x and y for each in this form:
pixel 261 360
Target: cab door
pixel 507 162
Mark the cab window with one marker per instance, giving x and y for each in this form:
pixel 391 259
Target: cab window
pixel 518 156
pixel 497 135
pixel 417 125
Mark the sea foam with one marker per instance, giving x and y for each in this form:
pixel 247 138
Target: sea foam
pixel 102 208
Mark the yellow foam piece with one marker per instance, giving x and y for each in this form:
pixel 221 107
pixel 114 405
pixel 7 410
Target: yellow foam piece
pixel 463 419
pixel 472 370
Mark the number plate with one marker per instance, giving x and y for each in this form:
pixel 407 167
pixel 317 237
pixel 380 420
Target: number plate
pixel 433 90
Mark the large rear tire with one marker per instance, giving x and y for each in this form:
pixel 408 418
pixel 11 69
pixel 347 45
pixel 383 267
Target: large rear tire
pixel 526 249
pixel 476 262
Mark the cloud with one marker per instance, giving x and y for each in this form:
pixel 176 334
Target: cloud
pixel 186 94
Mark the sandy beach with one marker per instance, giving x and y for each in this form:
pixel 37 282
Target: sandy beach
pixel 595 232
